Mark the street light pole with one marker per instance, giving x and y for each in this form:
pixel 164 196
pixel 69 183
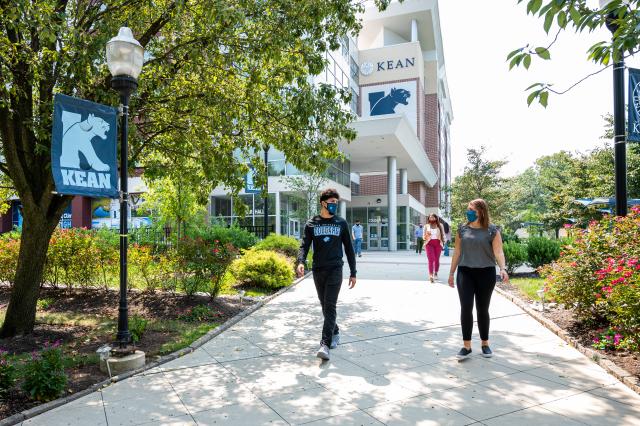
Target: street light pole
pixel 124 58
pixel 266 192
pixel 619 138
pixel 125 85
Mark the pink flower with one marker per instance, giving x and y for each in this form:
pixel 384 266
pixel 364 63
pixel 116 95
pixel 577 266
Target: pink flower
pixel 567 225
pixel 596 340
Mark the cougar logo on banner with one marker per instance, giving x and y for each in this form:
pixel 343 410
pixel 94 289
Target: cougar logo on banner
pixel 83 148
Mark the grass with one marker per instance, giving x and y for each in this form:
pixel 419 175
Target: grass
pixel 530 286
pixel 186 335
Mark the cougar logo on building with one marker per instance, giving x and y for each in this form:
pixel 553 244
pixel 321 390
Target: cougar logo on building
pixel 83 148
pixel 381 104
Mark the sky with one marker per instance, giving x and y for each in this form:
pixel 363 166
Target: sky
pixel 489 101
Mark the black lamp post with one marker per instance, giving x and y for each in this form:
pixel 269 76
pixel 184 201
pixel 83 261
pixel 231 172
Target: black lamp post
pixel 619 138
pixel 266 192
pixel 124 58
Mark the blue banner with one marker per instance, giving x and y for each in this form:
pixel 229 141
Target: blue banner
pixel 250 182
pixel 83 148
pixel 633 119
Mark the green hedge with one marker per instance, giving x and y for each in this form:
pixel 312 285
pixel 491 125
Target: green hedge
pixel 261 268
pixel 515 255
pixel 280 243
pixel 542 251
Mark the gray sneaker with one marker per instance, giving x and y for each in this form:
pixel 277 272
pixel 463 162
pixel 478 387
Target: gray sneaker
pixel 323 352
pixel 335 341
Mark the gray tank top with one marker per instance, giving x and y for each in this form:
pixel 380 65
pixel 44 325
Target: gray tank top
pixel 476 250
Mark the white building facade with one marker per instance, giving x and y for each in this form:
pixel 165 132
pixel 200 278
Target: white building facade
pixel 399 165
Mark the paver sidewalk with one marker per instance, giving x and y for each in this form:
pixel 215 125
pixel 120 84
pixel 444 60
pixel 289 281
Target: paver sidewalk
pixel 396 365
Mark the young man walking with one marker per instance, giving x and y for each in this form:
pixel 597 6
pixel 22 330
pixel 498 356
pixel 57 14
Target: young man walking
pixel 356 234
pixel 419 234
pixel 328 233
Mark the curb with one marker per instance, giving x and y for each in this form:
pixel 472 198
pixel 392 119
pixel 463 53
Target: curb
pixel 40 409
pixel 609 366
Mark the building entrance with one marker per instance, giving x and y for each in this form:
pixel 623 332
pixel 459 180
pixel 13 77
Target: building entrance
pixel 378 236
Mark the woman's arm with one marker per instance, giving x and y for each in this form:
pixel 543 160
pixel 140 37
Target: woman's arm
pixel 499 255
pixel 455 259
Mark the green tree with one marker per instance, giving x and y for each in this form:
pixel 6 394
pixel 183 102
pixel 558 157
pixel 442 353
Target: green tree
pixel 305 191
pixel 526 199
pixel 561 15
pixel 6 192
pixel 173 201
pixel 480 179
pixel 219 76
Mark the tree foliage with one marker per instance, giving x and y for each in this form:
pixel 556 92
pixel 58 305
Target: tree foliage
pixel 623 16
pixel 219 76
pixel 481 179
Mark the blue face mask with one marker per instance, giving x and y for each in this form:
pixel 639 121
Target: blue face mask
pixel 472 215
pixel 332 208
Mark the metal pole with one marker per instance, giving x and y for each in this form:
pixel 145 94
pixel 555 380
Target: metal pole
pixel 125 85
pixel 266 192
pixel 620 148
pixel 619 143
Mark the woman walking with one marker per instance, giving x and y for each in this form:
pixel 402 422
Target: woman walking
pixel 434 236
pixel 477 249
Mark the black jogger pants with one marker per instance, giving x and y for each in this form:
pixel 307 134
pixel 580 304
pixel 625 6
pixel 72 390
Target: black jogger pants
pixel 328 282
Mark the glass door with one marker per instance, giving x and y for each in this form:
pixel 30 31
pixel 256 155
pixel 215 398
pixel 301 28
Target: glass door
pixel 384 236
pixel 372 237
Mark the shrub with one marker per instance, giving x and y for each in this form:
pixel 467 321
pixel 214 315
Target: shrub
pixel 71 257
pixel 44 303
pixel 542 251
pixel 263 269
pixel 280 243
pixel 597 274
pixel 515 255
pixel 7 373
pixel 44 376
pixel 200 313
pixel 107 245
pixel 137 327
pixel 204 264
pixel 234 235
pixel 9 250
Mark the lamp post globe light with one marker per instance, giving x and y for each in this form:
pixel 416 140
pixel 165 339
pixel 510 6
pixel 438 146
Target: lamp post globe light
pixel 619 138
pixel 125 56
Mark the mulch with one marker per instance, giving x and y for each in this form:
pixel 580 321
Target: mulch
pixel 82 340
pixel 582 332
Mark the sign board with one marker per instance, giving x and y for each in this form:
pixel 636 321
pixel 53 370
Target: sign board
pixel 83 148
pixel 633 119
pixel 249 182
pixel 391 98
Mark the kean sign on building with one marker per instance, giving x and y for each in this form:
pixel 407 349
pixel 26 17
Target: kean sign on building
pixel 83 148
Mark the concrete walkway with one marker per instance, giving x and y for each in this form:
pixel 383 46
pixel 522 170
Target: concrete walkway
pixel 396 366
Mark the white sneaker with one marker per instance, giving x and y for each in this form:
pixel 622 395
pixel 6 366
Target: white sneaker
pixel 323 352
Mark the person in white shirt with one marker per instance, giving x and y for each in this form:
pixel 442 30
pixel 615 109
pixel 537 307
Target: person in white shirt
pixel 434 237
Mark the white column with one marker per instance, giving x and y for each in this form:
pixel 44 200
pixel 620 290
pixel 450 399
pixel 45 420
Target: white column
pixel 392 203
pixel 277 206
pixel 404 182
pixel 414 30
pixel 343 209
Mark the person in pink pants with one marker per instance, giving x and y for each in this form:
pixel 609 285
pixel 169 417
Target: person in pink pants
pixel 434 238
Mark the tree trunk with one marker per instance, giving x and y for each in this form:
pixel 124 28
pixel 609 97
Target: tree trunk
pixel 21 312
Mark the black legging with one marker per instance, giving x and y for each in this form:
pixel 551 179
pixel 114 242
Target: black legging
pixel 328 282
pixel 475 283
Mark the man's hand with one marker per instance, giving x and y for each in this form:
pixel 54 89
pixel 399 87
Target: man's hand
pixel 504 276
pixel 300 270
pixel 352 282
pixel 451 280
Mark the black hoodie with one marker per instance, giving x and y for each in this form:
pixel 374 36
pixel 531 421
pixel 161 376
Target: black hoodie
pixel 328 236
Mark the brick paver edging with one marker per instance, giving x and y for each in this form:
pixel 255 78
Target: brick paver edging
pixel 621 374
pixel 40 409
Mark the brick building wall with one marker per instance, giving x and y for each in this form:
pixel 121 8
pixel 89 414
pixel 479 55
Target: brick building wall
pixel 431 144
